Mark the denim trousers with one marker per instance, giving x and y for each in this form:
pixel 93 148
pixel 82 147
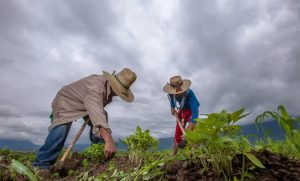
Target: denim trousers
pixel 54 143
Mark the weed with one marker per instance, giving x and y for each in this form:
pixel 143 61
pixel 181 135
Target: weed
pixel 94 152
pixel 138 144
pixel 85 164
pixel 288 123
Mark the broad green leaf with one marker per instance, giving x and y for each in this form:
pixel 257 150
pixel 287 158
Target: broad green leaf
pixel 298 148
pixel 227 141
pixel 235 115
pixel 198 120
pixel 290 122
pixel 242 116
pixel 258 121
pixel 296 139
pixel 204 129
pixel 270 114
pixel 22 169
pixel 234 129
pixel 217 116
pixel 274 115
pixel 224 112
pixel 195 137
pixel 284 125
pixel 220 124
pixel 254 160
pixel 138 129
pixel 210 120
pixel 245 144
pixel 283 112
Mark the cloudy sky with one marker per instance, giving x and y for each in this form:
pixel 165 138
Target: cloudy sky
pixel 236 53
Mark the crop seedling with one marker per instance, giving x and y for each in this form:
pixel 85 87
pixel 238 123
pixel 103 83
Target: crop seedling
pixel 139 143
pixel 85 164
pixel 94 152
pixel 22 169
pixel 215 140
pixel 288 123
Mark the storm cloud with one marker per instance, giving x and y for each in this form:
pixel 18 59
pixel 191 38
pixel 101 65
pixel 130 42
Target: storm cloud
pixel 236 53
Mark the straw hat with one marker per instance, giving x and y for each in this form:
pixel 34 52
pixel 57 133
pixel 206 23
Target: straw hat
pixel 177 85
pixel 121 82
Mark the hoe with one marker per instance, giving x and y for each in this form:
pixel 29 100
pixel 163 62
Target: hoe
pixel 59 166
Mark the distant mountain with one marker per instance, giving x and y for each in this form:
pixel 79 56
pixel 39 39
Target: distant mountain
pixel 272 127
pixel 23 145
pixel 269 128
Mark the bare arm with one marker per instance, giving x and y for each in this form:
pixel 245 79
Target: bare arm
pixel 109 147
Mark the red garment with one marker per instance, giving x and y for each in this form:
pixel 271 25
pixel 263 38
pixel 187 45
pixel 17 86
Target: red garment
pixel 182 114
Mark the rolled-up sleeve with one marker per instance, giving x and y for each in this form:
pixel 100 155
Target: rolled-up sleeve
pixel 95 109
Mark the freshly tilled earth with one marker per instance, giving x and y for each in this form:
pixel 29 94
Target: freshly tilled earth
pixel 278 168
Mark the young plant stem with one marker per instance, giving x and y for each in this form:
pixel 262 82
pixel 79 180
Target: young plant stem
pixel 243 168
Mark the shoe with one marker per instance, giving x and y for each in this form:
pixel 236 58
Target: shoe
pixel 44 173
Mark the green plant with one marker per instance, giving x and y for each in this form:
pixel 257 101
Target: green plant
pixel 288 123
pixel 54 176
pixel 146 172
pixel 215 142
pixel 85 177
pixel 85 164
pixel 138 144
pixel 71 173
pixel 111 165
pixel 22 169
pixel 215 126
pixel 4 152
pixel 94 152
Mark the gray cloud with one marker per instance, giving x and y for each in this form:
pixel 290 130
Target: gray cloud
pixel 248 50
pixel 237 54
pixel 9 112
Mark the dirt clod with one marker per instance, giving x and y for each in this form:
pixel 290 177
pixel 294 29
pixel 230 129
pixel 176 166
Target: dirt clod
pixel 278 167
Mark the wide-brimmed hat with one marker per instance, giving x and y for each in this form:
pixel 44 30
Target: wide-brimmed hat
pixel 177 85
pixel 121 82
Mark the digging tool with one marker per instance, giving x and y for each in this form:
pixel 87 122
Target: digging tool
pixel 177 119
pixel 60 164
pixel 180 124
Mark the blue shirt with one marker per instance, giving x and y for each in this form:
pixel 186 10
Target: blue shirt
pixel 191 102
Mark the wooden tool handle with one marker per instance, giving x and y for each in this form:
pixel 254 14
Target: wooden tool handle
pixel 73 142
pixel 180 125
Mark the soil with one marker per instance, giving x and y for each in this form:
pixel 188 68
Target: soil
pixel 278 167
pixel 95 168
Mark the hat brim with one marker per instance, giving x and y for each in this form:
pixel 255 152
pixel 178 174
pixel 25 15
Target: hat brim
pixel 121 91
pixel 184 87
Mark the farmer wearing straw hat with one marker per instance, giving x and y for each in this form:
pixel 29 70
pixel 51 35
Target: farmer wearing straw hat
pixel 183 99
pixel 86 98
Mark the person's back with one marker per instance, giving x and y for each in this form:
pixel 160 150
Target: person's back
pixel 79 89
pixel 72 101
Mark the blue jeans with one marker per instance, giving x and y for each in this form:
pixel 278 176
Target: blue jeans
pixel 54 143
